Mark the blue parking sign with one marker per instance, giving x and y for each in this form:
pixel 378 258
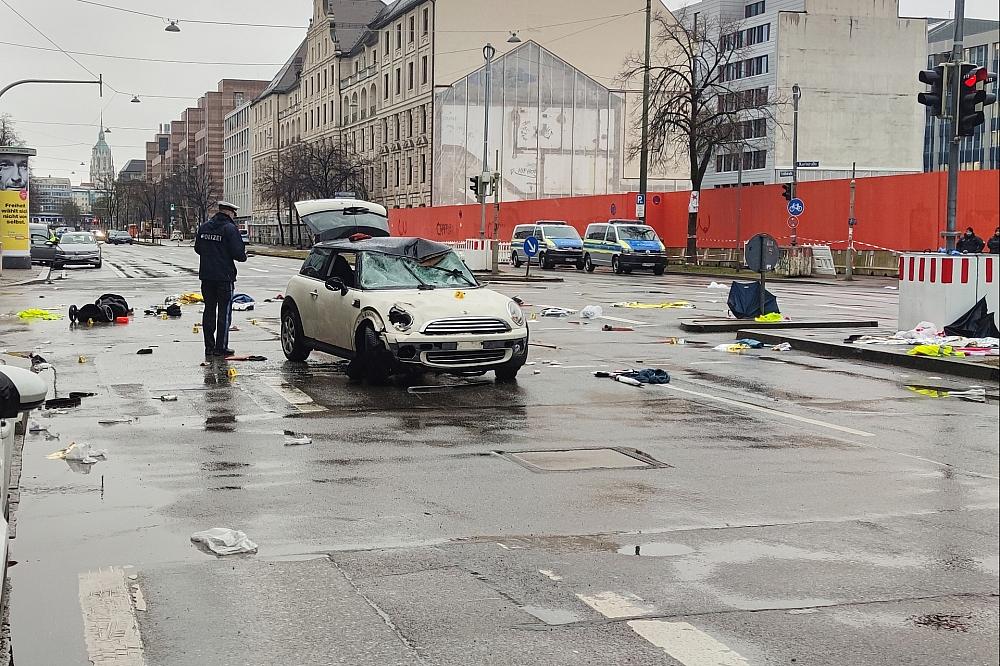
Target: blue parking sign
pixel 531 246
pixel 796 207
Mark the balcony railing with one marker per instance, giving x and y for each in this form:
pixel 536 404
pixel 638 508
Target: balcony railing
pixel 359 76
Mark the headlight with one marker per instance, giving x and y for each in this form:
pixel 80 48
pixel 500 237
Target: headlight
pixel 549 243
pixel 400 318
pixel 626 249
pixel 516 315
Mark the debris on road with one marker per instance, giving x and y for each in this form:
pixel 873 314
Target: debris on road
pixel 684 305
pixel 734 348
pixel 770 318
pixel 113 421
pixel 609 327
pixel 38 313
pixel 556 312
pixel 751 343
pixel 293 438
pixel 167 398
pixel 935 350
pixel 717 285
pixel 81 453
pixel 627 380
pixel 223 541
pixel 243 302
pixel 591 312
pixel 248 357
pixel 977 322
pixel 60 403
pixel 145 350
pixel 781 347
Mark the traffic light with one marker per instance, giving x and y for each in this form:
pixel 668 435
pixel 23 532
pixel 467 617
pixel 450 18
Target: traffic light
pixel 933 100
pixel 786 191
pixel 973 97
pixel 173 207
pixel 475 186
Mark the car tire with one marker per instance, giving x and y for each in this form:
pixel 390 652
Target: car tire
pixel 547 263
pixel 658 270
pixel 588 265
pixel 507 373
pixel 616 265
pixel 627 270
pixel 371 362
pixel 515 260
pixel 292 338
pixel 580 265
pixel 98 264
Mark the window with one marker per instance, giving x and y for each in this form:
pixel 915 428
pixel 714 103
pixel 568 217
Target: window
pixel 423 70
pixel 397 173
pixel 596 232
pixel 399 80
pixel 385 42
pixel 753 9
pixel 315 265
pixel 426 21
pixel 612 236
pixel 409 76
pixel 324 79
pixel 423 166
pixel 385 174
pixel 524 232
pixel 395 117
pixel 399 35
pixel 385 86
pixel 423 120
pixel 409 123
pixel 413 29
pixel 744 68
pixel 409 171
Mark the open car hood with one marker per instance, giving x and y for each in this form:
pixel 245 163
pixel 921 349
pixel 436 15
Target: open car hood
pixel 333 219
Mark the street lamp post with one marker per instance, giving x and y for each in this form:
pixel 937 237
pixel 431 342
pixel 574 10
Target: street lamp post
pixel 644 155
pixel 488 53
pixel 796 94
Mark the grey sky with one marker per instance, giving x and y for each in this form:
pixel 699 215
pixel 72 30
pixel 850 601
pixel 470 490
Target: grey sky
pixel 76 26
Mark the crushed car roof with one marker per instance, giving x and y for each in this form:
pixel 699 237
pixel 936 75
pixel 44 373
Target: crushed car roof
pixel 400 246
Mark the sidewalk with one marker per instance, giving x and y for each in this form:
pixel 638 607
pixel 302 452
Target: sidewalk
pixel 13 277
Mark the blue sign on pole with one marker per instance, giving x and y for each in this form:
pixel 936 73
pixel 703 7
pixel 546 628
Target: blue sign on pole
pixel 530 246
pixel 796 207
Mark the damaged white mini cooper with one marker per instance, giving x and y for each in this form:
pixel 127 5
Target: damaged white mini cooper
pixel 398 304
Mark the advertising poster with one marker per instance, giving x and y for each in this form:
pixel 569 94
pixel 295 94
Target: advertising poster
pixel 14 235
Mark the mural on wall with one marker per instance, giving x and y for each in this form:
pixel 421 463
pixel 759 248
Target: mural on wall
pixel 556 131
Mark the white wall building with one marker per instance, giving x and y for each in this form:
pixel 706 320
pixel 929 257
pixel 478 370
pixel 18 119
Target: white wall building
pixel 237 162
pixel 855 62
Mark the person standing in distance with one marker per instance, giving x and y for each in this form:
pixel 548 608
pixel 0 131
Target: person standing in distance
pixel 219 245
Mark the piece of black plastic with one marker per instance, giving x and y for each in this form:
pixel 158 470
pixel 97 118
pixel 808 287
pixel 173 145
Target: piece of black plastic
pixel 744 300
pixel 978 322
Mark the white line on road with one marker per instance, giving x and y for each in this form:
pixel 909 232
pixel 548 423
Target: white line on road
pixel 613 605
pixel 293 396
pixel 259 270
pixel 551 575
pixel 115 269
pixel 773 412
pixel 687 644
pixel 110 627
pixel 622 320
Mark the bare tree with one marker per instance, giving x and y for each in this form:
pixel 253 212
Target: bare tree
pixel 151 198
pixel 8 132
pixel 70 212
pixel 698 108
pixel 108 201
pixel 194 192
pixel 276 185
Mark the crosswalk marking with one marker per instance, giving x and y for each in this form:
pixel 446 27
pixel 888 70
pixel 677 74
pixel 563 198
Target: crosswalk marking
pixel 687 644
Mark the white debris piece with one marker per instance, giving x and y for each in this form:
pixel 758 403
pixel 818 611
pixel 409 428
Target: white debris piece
pixel 783 346
pixel 224 541
pixel 293 438
pixel 717 285
pixel 591 312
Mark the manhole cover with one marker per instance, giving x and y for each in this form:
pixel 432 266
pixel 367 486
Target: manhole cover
pixel 570 460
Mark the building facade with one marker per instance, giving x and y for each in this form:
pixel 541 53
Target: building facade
pixel 49 195
pixel 102 164
pixel 850 111
pixel 982 47
pixel 132 171
pixel 237 164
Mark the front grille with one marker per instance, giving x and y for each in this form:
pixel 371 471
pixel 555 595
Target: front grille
pixel 458 325
pixel 473 357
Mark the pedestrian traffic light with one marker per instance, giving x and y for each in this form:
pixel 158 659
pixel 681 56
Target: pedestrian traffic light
pixel 972 97
pixel 933 100
pixel 786 191
pixel 173 207
pixel 476 187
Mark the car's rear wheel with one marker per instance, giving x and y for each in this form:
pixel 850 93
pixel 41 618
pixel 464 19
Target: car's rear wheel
pixel 292 339
pixel 372 360
pixel 515 260
pixel 588 265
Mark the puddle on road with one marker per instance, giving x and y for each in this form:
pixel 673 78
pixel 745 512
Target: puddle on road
pixel 656 549
pixel 223 465
pixel 552 616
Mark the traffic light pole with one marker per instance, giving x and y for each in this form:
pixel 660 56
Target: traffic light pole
pixel 956 96
pixel 796 94
pixel 644 155
pixel 488 52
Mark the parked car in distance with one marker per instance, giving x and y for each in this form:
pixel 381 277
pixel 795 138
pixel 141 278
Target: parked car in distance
pixel 559 243
pixel 245 235
pixel 99 235
pixel 331 219
pixel 623 245
pixel 117 237
pixel 78 247
pixel 400 304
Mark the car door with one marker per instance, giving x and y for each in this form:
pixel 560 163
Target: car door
pixel 309 285
pixel 611 247
pixel 338 311
pixel 40 250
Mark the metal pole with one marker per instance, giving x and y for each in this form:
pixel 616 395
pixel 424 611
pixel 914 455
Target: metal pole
pixel 796 94
pixel 849 268
pixel 644 154
pixel 739 201
pixel 495 250
pixel 953 146
pixel 488 52
pixel 98 82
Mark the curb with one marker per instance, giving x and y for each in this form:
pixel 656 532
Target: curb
pixel 873 355
pixel 723 325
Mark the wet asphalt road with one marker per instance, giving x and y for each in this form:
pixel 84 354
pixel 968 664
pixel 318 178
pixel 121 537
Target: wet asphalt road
pixel 802 510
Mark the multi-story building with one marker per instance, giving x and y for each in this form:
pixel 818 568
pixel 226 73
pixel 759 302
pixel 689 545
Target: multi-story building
pixel 196 141
pixel 399 85
pixel 102 165
pixel 855 63
pixel 133 170
pixel 982 47
pixel 84 196
pixel 237 163
pixel 49 195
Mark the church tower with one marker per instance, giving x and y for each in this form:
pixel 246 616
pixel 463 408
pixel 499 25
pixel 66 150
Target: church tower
pixel 102 165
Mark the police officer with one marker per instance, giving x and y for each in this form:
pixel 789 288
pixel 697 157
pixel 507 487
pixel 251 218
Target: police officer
pixel 219 245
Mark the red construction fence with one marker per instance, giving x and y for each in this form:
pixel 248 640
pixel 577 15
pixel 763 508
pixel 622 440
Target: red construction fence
pixel 893 212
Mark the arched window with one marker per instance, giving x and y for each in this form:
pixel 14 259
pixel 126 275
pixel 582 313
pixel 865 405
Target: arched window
pixel 346 110
pixel 364 103
pixel 354 107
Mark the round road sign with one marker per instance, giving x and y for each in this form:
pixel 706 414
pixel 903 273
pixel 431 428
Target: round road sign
pixel 531 246
pixel 762 253
pixel 792 221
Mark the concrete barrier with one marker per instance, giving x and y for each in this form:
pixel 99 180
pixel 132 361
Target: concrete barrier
pixel 939 288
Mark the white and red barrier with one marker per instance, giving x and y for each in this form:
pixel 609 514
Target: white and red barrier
pixel 940 288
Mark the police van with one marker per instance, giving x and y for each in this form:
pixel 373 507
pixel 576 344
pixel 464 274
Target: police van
pixel 558 243
pixel 623 245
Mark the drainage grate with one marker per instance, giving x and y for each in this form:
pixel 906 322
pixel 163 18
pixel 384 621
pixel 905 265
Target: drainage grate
pixel 574 460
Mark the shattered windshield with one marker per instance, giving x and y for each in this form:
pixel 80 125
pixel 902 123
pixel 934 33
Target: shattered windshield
pixel 636 232
pixel 384 271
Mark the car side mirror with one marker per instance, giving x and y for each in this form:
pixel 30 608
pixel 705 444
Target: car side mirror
pixel 336 284
pixel 51 243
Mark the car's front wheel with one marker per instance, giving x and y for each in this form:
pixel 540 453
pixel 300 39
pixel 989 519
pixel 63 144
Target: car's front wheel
pixel 515 260
pixel 616 266
pixel 507 372
pixel 588 265
pixel 292 339
pixel 371 362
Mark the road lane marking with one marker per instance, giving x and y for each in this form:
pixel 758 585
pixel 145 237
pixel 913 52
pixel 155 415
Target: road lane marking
pixel 622 321
pixel 293 396
pixel 687 644
pixel 614 606
pixel 773 412
pixel 259 270
pixel 110 627
pixel 115 269
pixel 551 575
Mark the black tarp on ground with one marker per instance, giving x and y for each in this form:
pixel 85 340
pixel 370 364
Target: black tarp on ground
pixel 976 323
pixel 744 300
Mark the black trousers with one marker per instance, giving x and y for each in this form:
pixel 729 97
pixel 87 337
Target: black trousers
pixel 218 314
